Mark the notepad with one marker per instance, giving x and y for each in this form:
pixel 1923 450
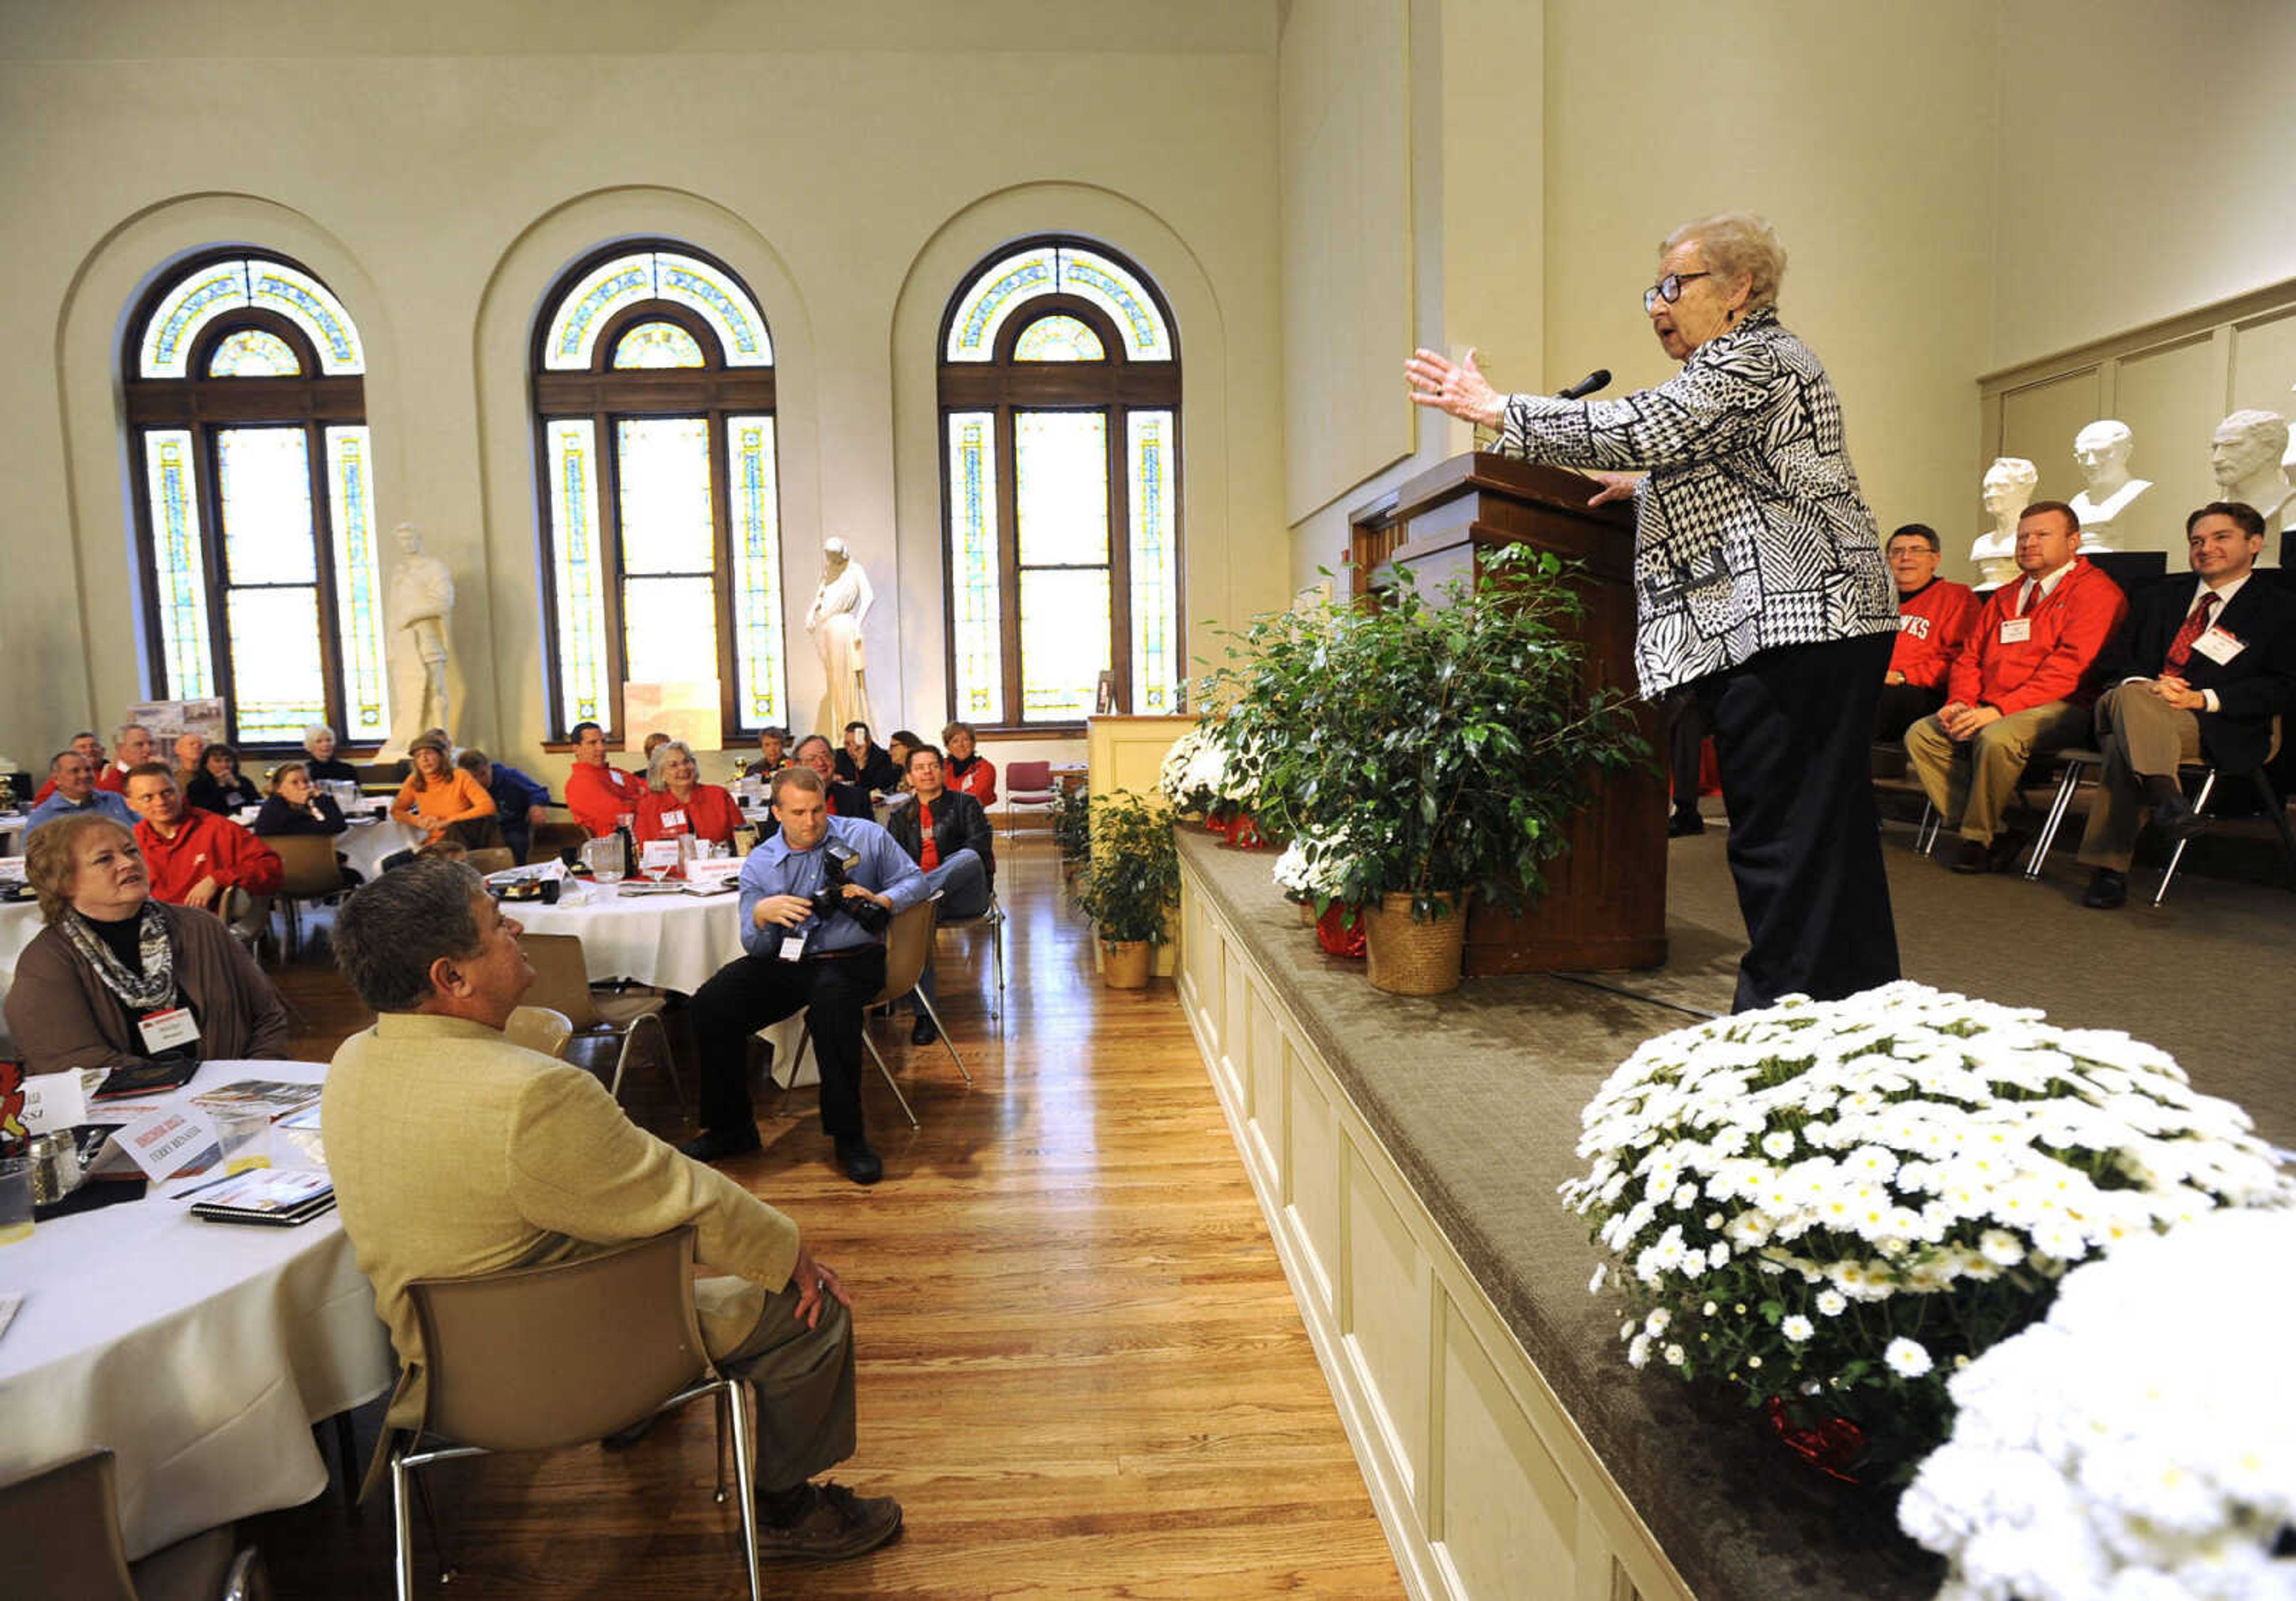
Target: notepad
pixel 272 1198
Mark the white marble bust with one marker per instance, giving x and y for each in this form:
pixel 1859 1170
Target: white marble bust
pixel 2244 454
pixel 2101 450
pixel 2009 484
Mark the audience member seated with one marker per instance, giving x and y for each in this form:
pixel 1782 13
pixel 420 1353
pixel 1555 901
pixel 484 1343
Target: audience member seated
pixel 963 768
pixel 678 803
pixel 945 833
pixel 131 748
pixel 2020 686
pixel 521 805
pixel 456 1154
pixel 773 754
pixel 443 800
pixel 898 744
pixel 71 792
pixel 2197 674
pixel 598 795
pixel 866 762
pixel 296 805
pixel 117 977
pixel 218 787
pixel 654 742
pixel 190 748
pixel 1934 617
pixel 845 800
pixel 832 966
pixel 197 859
pixel 319 757
pixel 86 744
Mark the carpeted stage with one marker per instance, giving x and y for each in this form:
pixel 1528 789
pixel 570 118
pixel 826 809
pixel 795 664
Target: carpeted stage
pixel 1477 1096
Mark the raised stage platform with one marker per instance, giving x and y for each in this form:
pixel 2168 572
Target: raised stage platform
pixel 1407 1153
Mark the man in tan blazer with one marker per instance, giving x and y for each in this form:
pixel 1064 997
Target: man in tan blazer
pixel 455 1152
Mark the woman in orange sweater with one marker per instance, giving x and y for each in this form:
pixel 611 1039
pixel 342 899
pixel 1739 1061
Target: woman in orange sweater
pixel 677 802
pixel 443 800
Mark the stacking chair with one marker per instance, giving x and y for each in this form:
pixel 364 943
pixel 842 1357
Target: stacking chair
pixel 908 947
pixel 540 1359
pixel 311 874
pixel 561 982
pixel 539 1029
pixel 59 1536
pixel 992 919
pixel 1026 784
pixel 490 859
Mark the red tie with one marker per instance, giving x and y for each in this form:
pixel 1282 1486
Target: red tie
pixel 2180 649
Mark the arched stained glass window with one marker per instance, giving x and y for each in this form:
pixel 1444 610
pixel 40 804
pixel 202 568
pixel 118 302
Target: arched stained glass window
pixel 247 419
pixel 653 394
pixel 1059 397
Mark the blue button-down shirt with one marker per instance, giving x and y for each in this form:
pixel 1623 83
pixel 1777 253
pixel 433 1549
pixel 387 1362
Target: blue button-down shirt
pixel 103 803
pixel 775 869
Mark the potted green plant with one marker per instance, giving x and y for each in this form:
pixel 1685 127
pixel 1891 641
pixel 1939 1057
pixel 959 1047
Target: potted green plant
pixel 1129 885
pixel 1072 827
pixel 1449 738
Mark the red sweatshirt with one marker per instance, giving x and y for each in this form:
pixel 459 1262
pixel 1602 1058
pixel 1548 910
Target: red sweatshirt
pixel 709 813
pixel 2068 630
pixel 1932 624
pixel 207 846
pixel 597 796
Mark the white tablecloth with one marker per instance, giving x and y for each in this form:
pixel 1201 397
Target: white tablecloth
pixel 20 920
pixel 670 941
pixel 201 1353
pixel 363 845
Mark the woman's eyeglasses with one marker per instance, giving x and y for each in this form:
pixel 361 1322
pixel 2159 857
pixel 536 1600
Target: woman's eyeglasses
pixel 1668 289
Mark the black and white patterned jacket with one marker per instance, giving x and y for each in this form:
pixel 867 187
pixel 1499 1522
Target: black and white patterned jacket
pixel 1750 532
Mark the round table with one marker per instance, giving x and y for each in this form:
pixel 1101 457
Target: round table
pixel 671 941
pixel 200 1353
pixel 363 846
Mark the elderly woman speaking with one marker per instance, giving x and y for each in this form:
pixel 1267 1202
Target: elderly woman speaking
pixel 1760 584
pixel 117 977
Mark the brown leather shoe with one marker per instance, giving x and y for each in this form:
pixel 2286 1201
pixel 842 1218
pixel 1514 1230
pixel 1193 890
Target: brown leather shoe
pixel 828 1523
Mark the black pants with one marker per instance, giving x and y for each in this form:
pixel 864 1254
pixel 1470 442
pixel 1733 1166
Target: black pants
pixel 748 994
pixel 1686 738
pixel 1792 729
pixel 1902 705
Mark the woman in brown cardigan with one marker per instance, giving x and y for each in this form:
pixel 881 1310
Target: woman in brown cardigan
pixel 112 958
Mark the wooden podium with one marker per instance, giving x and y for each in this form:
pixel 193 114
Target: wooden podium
pixel 1605 901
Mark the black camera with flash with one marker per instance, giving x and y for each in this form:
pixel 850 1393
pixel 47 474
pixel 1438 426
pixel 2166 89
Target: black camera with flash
pixel 837 861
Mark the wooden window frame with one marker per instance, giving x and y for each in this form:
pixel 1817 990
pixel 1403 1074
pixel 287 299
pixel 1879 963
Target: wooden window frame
pixel 605 395
pixel 1114 386
pixel 206 407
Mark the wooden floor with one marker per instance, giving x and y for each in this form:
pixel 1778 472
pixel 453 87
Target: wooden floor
pixel 1081 1370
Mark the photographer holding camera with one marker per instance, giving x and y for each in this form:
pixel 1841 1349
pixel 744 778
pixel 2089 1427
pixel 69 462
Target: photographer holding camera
pixel 816 900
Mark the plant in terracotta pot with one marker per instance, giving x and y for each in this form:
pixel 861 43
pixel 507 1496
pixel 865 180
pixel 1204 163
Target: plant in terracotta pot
pixel 1130 885
pixel 1449 738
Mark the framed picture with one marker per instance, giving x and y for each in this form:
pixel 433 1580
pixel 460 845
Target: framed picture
pixel 1104 697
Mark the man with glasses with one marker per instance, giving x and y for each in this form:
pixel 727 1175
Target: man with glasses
pixel 1934 616
pixel 2020 687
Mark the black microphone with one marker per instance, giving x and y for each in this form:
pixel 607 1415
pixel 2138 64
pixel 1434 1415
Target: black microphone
pixel 1586 386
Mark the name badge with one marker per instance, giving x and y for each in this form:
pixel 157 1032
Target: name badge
pixel 2220 646
pixel 673 819
pixel 165 1031
pixel 793 946
pixel 2016 630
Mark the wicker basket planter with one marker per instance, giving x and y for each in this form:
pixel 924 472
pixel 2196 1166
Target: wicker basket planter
pixel 1415 958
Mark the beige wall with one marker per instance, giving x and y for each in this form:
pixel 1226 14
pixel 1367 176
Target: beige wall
pixel 438 165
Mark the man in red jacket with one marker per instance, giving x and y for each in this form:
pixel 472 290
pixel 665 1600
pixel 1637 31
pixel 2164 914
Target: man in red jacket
pixel 1934 615
pixel 597 794
pixel 2020 685
pixel 199 857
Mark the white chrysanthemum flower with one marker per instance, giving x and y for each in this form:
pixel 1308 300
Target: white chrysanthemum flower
pixel 1797 1329
pixel 1594 1285
pixel 1656 1324
pixel 1832 1303
pixel 1638 1351
pixel 1675 1356
pixel 1908 1359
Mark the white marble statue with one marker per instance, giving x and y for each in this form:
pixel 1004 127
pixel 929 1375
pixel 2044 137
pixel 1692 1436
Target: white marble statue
pixel 839 607
pixel 2244 454
pixel 2102 451
pixel 416 609
pixel 2009 484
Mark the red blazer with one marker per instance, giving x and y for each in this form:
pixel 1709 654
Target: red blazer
pixel 2071 626
pixel 597 796
pixel 978 779
pixel 710 814
pixel 1933 623
pixel 207 846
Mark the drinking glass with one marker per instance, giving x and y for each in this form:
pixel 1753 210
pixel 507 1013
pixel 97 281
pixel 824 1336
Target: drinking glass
pixel 246 1139
pixel 15 1199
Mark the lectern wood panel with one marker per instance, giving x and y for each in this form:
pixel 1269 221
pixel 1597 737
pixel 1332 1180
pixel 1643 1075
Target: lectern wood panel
pixel 1605 904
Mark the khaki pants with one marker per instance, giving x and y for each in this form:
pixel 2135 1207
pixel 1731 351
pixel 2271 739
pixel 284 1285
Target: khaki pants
pixel 804 1381
pixel 1971 781
pixel 2142 736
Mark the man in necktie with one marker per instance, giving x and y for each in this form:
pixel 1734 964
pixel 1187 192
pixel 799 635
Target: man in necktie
pixel 2021 686
pixel 2197 674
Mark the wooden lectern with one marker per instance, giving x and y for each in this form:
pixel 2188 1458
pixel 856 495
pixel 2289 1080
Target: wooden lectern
pixel 1605 901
